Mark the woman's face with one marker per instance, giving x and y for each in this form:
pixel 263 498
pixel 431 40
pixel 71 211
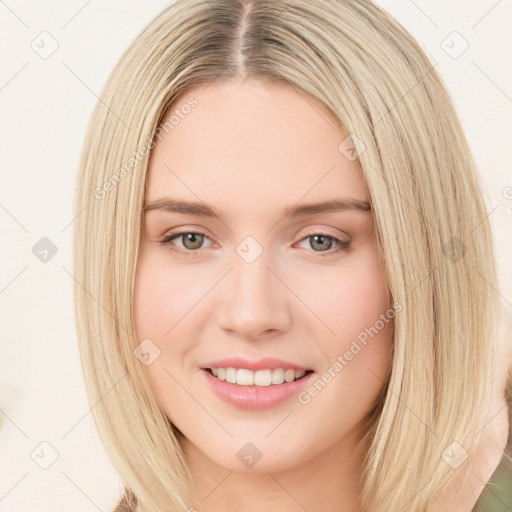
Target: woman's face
pixel 263 287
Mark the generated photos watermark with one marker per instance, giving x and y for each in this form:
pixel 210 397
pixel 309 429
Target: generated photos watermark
pixel 126 169
pixel 342 360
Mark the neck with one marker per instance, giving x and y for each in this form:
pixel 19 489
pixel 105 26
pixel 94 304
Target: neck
pixel 329 481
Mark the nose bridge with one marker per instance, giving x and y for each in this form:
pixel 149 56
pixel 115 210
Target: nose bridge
pixel 255 300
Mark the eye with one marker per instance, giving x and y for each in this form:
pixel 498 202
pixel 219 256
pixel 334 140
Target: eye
pixel 193 240
pixel 322 240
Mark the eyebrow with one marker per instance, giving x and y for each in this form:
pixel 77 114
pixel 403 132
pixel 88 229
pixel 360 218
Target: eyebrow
pixel 302 210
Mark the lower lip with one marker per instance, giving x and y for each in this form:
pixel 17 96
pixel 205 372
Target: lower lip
pixel 258 397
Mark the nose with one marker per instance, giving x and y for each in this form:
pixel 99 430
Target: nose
pixel 256 302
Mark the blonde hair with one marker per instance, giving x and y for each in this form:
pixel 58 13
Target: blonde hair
pixel 430 222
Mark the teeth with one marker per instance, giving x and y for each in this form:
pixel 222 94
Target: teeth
pixel 263 378
pixel 231 375
pixel 278 376
pixel 244 377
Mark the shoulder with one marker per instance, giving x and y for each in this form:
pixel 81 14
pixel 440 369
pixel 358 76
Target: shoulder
pixel 127 503
pixel 497 493
pixel 123 506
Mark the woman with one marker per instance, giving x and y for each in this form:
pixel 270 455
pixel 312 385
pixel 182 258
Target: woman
pixel 287 268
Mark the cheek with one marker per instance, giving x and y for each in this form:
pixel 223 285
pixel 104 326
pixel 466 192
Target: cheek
pixel 148 295
pixel 158 308
pixel 351 298
pixel 162 296
pixel 163 301
pixel 353 303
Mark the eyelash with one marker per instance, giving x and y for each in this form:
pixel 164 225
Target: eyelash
pixel 343 246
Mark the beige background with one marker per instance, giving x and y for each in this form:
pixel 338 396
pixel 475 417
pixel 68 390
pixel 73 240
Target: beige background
pixel 44 107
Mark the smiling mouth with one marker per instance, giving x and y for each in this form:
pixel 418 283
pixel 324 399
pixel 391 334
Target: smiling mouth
pixel 259 378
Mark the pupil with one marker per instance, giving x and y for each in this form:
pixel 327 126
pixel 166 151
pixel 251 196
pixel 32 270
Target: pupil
pixel 320 239
pixel 193 238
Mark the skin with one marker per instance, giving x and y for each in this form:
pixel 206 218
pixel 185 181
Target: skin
pixel 243 142
pixel 250 149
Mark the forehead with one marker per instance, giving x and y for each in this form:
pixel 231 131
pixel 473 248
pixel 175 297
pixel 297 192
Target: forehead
pixel 252 143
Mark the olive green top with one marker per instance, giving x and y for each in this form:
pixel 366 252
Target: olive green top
pixel 497 494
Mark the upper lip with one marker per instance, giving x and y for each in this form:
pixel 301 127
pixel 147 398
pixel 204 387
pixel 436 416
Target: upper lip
pixel 267 363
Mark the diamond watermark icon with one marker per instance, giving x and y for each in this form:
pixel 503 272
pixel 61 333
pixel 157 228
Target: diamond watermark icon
pixel 351 147
pixel 454 249
pixel 45 45
pixel 249 249
pixel 454 455
pixel 249 455
pixel 454 45
pixel 44 250
pixel 44 455
pixel 146 352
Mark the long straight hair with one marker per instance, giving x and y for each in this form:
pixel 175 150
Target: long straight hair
pixel 430 219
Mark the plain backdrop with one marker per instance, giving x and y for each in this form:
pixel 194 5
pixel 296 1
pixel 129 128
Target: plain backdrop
pixel 45 102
